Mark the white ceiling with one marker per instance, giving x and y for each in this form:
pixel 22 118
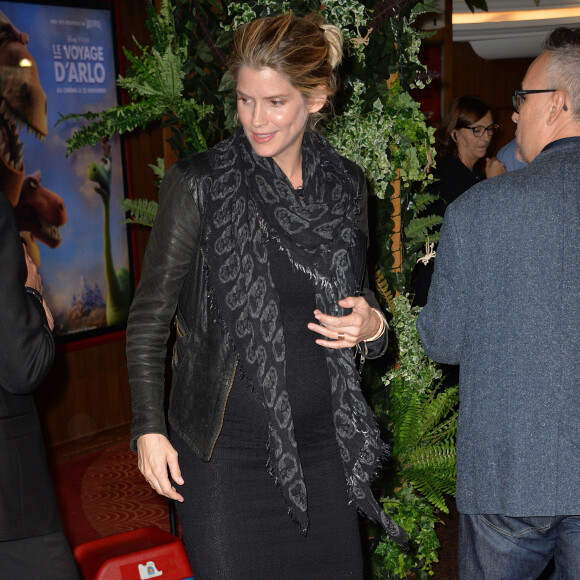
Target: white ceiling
pixel 502 37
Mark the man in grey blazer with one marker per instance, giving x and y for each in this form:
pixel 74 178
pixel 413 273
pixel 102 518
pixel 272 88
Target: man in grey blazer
pixel 504 304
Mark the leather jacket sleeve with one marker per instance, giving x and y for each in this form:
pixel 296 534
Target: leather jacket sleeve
pixel 173 240
pixel 378 347
pixel 26 341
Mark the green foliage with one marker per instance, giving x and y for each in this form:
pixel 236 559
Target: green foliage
pixel 201 23
pixel 141 211
pixel 364 136
pixel 422 415
pixel 155 83
pixel 158 169
pixel 422 418
pixel 381 127
pixel 390 140
pixel 116 120
pixel 416 515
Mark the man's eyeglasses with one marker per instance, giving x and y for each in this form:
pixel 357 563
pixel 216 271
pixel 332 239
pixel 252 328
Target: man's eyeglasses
pixel 518 97
pixel 479 130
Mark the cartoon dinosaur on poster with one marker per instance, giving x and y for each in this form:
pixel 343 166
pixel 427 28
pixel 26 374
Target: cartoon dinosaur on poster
pixel 22 104
pixel 118 291
pixel 40 214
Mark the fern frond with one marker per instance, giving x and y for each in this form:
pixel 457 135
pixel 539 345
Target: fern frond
pixel 444 431
pixel 420 202
pixel 190 115
pixel 141 211
pixel 436 409
pixel 406 418
pixel 419 227
pixel 431 470
pixel 422 414
pixel 382 287
pixel 161 77
pixel 158 168
pixel 431 457
pixel 156 83
pixel 158 72
pixel 116 120
pixel 434 491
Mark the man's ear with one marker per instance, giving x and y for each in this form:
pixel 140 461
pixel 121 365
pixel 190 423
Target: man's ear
pixel 558 106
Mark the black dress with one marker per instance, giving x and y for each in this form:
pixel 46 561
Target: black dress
pixel 234 519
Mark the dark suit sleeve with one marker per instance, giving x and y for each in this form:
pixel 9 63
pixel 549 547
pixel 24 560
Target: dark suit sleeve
pixel 441 322
pixel 26 341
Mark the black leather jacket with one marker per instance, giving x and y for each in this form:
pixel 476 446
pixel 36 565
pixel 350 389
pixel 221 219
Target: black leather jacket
pixel 174 285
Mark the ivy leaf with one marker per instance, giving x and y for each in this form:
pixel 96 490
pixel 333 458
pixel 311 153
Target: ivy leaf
pixel 203 52
pixel 481 4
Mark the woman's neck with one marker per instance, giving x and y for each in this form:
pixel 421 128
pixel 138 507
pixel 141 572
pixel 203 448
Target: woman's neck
pixel 293 171
pixel 468 162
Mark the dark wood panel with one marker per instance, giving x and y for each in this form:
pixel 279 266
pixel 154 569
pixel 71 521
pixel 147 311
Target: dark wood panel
pixel 491 80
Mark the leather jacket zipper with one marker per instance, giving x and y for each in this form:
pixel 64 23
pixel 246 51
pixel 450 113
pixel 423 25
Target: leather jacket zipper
pixel 224 411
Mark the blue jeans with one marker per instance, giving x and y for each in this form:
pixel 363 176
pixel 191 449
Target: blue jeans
pixel 496 547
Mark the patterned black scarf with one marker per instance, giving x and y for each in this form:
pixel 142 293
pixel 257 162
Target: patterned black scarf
pixel 251 200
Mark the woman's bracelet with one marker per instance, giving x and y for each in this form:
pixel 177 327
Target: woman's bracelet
pixel 382 326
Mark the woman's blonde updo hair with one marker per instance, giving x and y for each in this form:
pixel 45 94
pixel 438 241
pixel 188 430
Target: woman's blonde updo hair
pixel 305 50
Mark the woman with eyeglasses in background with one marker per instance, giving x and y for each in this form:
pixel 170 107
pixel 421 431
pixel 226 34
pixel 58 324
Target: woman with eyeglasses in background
pixel 461 141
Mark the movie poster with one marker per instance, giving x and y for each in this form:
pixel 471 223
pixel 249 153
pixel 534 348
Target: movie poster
pixel 59 60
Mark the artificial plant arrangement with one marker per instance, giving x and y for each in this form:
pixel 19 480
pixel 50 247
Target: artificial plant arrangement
pixel 421 415
pixel 180 80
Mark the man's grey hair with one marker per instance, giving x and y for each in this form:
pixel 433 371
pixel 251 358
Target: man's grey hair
pixel 563 67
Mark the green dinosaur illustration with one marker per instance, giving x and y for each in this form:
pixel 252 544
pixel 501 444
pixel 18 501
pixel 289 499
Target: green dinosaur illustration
pixel 118 300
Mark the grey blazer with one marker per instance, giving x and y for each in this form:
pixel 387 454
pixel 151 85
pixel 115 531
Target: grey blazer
pixel 504 305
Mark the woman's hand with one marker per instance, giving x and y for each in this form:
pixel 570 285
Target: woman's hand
pixel 493 167
pixel 346 331
pixel 155 454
